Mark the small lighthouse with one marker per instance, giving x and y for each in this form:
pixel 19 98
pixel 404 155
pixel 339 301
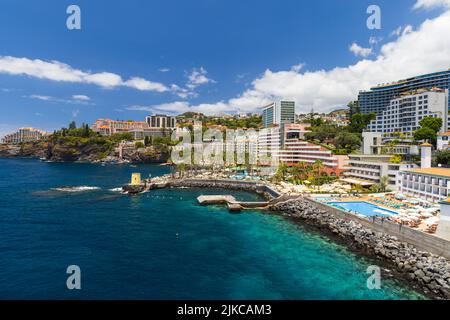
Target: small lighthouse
pixel 425 155
pixel 136 179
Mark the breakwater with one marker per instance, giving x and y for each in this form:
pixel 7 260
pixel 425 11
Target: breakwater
pixel 251 186
pixel 430 271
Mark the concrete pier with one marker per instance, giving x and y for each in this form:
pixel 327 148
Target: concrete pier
pixel 231 202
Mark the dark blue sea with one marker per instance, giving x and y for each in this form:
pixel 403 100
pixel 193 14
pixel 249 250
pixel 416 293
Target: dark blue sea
pixel 159 245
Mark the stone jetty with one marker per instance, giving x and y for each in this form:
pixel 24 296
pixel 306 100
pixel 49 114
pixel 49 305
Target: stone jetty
pixel 429 271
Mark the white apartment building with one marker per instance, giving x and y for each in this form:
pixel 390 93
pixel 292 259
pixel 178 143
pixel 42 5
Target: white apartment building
pixel 367 170
pixel 24 135
pixel 404 113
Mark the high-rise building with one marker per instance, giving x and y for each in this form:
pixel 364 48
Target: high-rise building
pixel 403 115
pixel 278 113
pixel 378 98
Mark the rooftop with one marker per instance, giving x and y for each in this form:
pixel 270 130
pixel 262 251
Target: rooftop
pixel 443 172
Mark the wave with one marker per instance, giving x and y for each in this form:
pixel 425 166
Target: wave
pixel 116 189
pixel 76 189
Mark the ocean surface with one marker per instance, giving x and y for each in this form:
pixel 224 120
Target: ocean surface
pixel 159 245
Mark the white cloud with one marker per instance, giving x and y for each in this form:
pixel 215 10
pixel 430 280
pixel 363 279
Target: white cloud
pixel 40 97
pixel 145 85
pixel 402 30
pixel 197 78
pixel 375 40
pixel 75 99
pixel 58 71
pixel 397 32
pixel 360 51
pixel 81 97
pixel 417 51
pixel 297 67
pixel 164 70
pixel 429 4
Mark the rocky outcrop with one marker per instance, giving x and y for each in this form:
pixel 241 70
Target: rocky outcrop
pixel 81 152
pixel 429 271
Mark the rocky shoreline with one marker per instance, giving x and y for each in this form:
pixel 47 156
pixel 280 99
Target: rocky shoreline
pixel 86 154
pixel 429 272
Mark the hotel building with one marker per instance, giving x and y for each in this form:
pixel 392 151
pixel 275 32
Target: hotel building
pixel 429 183
pixel 378 98
pixel 367 170
pixel 278 113
pixel 107 127
pixel 24 135
pixel 139 129
pixel 426 183
pixel 289 147
pixel 404 113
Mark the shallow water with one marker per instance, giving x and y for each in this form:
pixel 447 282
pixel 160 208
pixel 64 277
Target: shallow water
pixel 159 245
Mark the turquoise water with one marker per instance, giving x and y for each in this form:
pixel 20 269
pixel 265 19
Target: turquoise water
pixel 364 208
pixel 159 245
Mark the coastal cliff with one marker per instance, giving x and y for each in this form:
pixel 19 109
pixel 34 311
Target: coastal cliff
pixel 83 150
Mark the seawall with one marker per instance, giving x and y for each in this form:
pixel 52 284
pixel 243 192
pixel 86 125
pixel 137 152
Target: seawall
pixel 411 252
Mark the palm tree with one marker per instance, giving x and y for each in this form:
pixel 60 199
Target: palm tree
pixel 317 168
pixel 383 183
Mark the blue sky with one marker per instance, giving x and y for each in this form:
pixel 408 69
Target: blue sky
pixel 170 56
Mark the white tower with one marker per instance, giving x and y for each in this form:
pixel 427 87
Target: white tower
pixel 425 158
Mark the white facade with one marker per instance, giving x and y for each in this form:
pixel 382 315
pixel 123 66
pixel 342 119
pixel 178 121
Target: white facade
pixel 404 113
pixel 287 146
pixel 430 184
pixel 367 170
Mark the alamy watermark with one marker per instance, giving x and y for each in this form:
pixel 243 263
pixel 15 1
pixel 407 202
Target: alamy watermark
pixel 213 147
pixel 74 280
pixel 374 20
pixel 73 21
pixel 374 280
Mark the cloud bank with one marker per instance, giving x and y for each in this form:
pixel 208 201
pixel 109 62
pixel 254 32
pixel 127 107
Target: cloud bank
pixel 58 71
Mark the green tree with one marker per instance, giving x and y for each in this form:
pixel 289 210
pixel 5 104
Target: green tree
pixel 360 121
pixel 442 157
pixel 348 140
pixel 433 123
pixel 282 172
pixel 425 134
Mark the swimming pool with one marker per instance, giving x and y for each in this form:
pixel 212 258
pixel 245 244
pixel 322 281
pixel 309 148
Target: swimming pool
pixel 364 208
